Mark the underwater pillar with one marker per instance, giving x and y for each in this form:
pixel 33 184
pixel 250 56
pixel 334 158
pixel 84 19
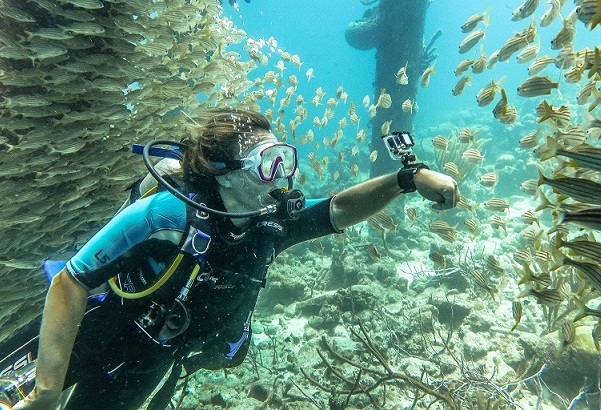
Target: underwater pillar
pixel 396 29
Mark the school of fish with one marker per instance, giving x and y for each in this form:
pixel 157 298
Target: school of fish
pixel 77 92
pixel 80 81
pixel 559 268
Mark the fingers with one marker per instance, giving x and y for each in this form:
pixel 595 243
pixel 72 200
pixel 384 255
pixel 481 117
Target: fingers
pixel 456 194
pixel 450 198
pixel 440 188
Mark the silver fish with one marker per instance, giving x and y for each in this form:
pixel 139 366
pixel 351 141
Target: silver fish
pixel 460 86
pixel 525 9
pixel 479 65
pixel 535 86
pixel 16 14
pixel 49 33
pixel 547 297
pixel 471 40
pixel 88 28
pixel 540 64
pixel 584 155
pixel 516 311
pixel 528 53
pixel 551 14
pixel 493 264
pixel 487 93
pixel 463 66
pixel 84 4
pixel 580 189
pixel 473 21
pixel 565 36
pixel 530 140
pixel 481 281
pixel 496 204
pixel 589 218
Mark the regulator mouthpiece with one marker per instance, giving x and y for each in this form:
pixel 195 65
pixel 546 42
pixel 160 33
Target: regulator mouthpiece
pixel 290 202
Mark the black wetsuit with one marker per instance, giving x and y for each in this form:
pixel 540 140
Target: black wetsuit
pixel 115 362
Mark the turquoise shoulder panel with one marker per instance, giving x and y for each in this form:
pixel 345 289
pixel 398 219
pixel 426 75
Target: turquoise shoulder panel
pixel 160 215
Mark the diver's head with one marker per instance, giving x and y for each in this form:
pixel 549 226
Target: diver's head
pixel 231 139
pixel 257 172
pixel 237 148
pixel 220 135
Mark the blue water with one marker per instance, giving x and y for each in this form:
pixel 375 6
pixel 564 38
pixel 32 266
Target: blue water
pixel 443 14
pixel 314 29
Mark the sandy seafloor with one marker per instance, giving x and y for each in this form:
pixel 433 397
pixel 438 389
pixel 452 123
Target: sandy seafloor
pixel 433 325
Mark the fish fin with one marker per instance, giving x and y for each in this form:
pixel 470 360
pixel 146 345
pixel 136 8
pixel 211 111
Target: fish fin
pixel 559 94
pixel 551 149
pixel 597 17
pixel 559 242
pixel 525 274
pixel 500 82
pixel 594 104
pixel 581 309
pixel 559 258
pixel 526 292
pixel 545 203
pixel 588 119
pixel 548 111
pixel 562 348
pixel 503 95
pixel 486 16
pixel 541 179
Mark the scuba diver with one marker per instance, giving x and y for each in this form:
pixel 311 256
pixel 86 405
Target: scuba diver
pixel 169 284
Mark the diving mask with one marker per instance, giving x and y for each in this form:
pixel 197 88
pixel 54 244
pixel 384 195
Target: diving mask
pixel 271 161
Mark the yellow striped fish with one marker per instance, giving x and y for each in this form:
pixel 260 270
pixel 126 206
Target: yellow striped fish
pixel 580 189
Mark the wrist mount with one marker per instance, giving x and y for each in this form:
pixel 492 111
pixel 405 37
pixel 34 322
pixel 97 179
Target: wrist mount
pixel 406 174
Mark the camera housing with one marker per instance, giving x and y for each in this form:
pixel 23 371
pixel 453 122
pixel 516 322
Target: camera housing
pixel 399 144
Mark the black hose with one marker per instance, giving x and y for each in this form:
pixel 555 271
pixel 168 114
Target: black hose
pixel 163 183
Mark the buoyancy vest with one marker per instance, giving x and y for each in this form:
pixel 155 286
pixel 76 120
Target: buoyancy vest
pixel 205 306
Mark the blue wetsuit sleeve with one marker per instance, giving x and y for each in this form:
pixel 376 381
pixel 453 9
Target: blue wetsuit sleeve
pixel 160 216
pixel 311 202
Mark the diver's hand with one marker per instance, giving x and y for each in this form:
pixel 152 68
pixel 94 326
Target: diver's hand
pixel 437 187
pixel 39 399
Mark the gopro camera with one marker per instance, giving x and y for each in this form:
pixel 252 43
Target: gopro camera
pixel 398 144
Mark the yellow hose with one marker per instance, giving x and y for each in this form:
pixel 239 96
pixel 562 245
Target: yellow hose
pixel 149 192
pixel 151 289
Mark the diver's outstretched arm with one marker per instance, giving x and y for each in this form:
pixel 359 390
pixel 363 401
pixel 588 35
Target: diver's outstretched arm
pixel 365 199
pixel 63 311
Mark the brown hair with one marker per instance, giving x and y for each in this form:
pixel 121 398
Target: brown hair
pixel 217 136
